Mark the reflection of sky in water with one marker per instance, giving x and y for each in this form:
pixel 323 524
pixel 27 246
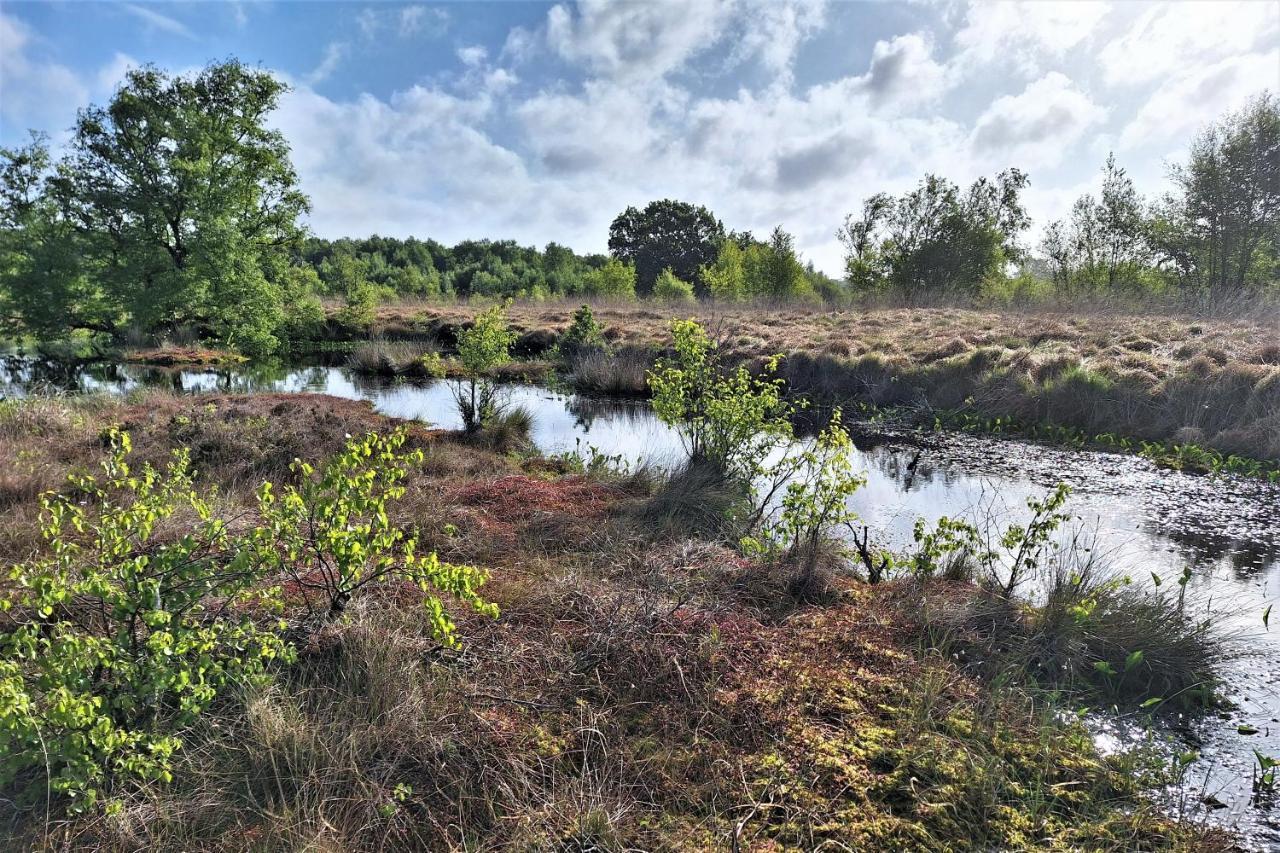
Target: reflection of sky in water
pixel 1144 520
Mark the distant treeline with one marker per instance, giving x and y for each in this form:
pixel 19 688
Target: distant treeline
pixel 176 207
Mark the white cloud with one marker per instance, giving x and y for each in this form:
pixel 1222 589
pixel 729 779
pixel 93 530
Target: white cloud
pixel 1170 38
pixel 156 20
pixel 1200 94
pixel 40 95
pixel 904 71
pixel 414 19
pixel 1038 126
pixel 473 55
pixel 634 40
pixel 334 53
pixel 1025 33
pixel 774 29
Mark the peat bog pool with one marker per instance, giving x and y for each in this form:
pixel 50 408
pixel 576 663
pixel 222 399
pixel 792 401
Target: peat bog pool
pixel 1144 519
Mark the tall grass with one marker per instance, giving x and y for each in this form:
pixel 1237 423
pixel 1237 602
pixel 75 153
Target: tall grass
pixel 621 373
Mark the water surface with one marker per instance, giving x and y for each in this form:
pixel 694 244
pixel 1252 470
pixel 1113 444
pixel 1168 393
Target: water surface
pixel 1144 519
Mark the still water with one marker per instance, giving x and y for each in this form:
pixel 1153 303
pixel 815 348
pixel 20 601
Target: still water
pixel 1143 519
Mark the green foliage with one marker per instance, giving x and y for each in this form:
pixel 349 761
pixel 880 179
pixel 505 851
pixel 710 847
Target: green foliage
pixel 126 631
pixel 820 479
pixel 481 348
pixel 184 203
pixel 669 288
pixel 725 279
pixel 123 633
pixel 349 276
pixel 332 536
pixel 727 417
pixel 748 269
pixel 47 283
pixel 1223 231
pixel 667 234
pixel 936 238
pixel 584 333
pixel 955 546
pixel 613 279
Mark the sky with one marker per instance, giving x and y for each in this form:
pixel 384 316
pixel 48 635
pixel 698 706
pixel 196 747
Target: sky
pixel 540 122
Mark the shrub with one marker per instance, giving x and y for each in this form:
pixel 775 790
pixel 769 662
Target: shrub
pixel 331 534
pixel 122 635
pixel 481 348
pixel 1005 561
pixel 819 482
pixel 668 288
pixel 615 279
pixel 583 335
pixel 726 417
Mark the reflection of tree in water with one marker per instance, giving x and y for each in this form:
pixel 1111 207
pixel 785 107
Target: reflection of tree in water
pixel 586 410
pixel 33 375
pixel 1247 556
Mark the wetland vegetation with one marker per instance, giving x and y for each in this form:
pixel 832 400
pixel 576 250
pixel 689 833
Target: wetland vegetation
pixel 285 620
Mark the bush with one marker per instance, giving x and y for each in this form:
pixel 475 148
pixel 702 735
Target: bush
pixel 481 348
pixel 820 480
pixel 126 633
pixel 668 288
pixel 726 417
pixel 615 279
pixel 331 534
pixel 122 636
pixel 584 334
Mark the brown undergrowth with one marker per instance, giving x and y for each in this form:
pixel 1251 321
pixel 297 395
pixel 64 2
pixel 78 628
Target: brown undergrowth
pixel 638 691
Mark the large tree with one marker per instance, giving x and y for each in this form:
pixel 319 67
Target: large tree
pixel 45 285
pixel 937 238
pixel 191 198
pixel 1223 230
pixel 667 234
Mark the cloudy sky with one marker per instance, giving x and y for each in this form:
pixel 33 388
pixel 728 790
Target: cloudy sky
pixel 541 121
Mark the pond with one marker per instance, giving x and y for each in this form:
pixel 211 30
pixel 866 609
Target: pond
pixel 1144 519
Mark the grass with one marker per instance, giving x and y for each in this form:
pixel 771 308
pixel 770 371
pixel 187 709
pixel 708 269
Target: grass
pixel 1206 375
pixel 644 687
pixel 621 374
pixel 1094 638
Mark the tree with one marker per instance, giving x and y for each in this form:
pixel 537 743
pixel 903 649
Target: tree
pixel 1104 246
pixel 1223 230
pixel 481 348
pixel 937 238
pixel 613 278
pixel 783 277
pixel 190 199
pixel 666 234
pixel 45 282
pixel 670 288
pixel 725 279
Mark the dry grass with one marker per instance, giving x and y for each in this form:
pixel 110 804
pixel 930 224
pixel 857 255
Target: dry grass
pixel 634 693
pixel 1212 380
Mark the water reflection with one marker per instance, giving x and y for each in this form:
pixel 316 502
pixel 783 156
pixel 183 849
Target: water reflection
pixel 1146 520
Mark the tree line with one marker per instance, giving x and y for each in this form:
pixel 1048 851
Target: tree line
pixel 175 206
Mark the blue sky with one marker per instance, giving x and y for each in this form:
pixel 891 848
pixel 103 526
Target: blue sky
pixel 540 122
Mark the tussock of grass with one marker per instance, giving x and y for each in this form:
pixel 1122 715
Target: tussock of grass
pixel 621 373
pixel 1100 640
